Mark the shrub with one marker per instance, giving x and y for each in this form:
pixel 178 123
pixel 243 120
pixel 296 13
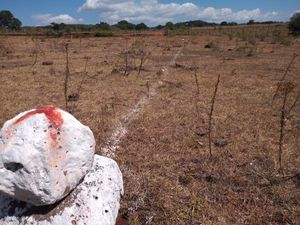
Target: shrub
pixel 52 33
pixel 104 34
pixel 8 21
pixel 294 24
pixel 125 25
pixel 251 22
pixel 103 26
pixel 141 26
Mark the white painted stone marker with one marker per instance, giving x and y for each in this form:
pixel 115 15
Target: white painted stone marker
pixel 44 153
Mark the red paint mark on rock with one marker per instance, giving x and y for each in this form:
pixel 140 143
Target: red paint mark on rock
pixel 54 117
pixel 53 135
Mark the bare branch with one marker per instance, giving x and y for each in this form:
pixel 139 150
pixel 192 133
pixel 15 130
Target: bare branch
pixel 211 113
pixel 67 74
pixel 282 124
pixel 294 103
pixel 284 75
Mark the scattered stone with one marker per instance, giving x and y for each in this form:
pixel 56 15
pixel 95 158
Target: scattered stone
pixel 104 180
pixel 297 125
pixel 73 97
pixel 161 71
pixel 296 41
pixel 115 71
pixel 47 63
pixel 202 133
pixel 177 65
pixel 184 180
pixel 44 154
pixel 210 179
pixel 201 144
pixel 296 180
pixel 221 143
pixel 263 182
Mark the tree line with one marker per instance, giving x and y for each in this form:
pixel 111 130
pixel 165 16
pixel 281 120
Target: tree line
pixel 9 22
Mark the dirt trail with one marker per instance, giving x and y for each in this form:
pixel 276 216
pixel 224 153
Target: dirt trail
pixel 120 128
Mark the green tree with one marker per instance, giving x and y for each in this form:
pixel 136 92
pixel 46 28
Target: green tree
pixel 8 21
pixel 294 24
pixel 251 22
pixel 232 24
pixel 141 26
pixel 103 26
pixel 125 25
pixel 169 25
pixel 224 23
pixel 58 26
pixel 159 27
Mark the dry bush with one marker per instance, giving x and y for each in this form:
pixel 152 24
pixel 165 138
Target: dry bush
pixel 37 50
pixel 284 76
pixel 84 77
pixel 129 55
pixel 67 76
pixel 197 94
pixel 284 89
pixel 126 58
pixel 211 113
pixel 143 60
pixel 5 47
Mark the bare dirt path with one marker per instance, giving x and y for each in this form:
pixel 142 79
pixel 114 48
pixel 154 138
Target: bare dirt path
pixel 120 128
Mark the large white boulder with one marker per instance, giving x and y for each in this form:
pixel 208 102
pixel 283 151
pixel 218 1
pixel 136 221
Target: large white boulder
pixel 44 154
pixel 95 201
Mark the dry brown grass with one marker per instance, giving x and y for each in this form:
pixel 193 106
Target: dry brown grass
pixel 169 178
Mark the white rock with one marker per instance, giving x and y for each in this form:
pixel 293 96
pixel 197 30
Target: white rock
pixel 44 153
pixel 95 201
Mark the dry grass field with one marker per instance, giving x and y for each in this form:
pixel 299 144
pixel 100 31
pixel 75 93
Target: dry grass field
pixel 163 116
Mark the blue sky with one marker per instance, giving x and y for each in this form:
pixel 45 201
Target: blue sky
pixel 152 12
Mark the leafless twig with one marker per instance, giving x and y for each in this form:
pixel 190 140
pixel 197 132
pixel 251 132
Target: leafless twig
pixel 84 78
pixel 294 103
pixel 143 58
pixel 284 75
pixel 197 91
pixel 148 89
pixel 197 82
pixel 285 88
pixel 67 75
pixel 211 113
pixel 282 124
pixel 126 53
pixel 35 58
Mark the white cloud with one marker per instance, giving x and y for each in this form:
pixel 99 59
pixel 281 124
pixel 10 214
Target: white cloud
pixel 153 12
pixel 46 19
pixel 296 11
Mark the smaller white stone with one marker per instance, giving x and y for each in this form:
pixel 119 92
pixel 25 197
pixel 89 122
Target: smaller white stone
pixel 95 201
pixel 41 163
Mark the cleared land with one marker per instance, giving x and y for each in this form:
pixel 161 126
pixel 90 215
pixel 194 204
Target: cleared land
pixel 168 174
